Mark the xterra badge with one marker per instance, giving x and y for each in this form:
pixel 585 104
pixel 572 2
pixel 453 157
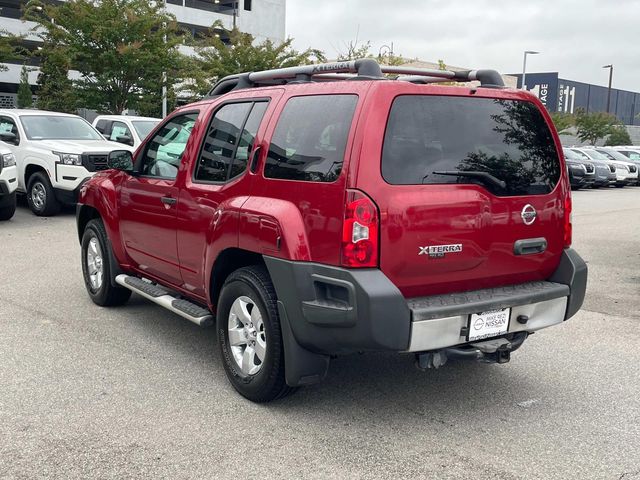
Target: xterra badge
pixel 439 251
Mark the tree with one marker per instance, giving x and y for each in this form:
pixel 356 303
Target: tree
pixel 591 127
pixel 120 47
pixel 618 136
pixel 562 121
pixel 55 90
pixel 10 49
pixel 356 52
pixel 215 59
pixel 25 95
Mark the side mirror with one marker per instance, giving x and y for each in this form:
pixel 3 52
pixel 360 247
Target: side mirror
pixel 9 137
pixel 126 139
pixel 121 160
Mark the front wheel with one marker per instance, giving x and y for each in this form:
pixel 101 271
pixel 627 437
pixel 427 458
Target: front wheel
pixel 41 197
pixel 7 206
pixel 96 268
pixel 249 335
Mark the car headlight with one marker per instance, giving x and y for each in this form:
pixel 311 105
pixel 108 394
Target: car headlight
pixel 69 158
pixel 8 160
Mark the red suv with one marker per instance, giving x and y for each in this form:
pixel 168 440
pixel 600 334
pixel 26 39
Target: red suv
pixel 323 210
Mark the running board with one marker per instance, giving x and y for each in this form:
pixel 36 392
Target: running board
pixel 160 296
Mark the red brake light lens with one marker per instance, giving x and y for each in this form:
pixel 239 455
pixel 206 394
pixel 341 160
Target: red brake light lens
pixel 360 231
pixel 568 228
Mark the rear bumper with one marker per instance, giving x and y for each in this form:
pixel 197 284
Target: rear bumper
pixel 331 310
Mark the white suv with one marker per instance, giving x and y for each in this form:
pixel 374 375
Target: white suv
pixel 128 130
pixel 55 154
pixel 8 182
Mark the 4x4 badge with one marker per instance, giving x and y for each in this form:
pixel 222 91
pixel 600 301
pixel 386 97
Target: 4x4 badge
pixel 528 214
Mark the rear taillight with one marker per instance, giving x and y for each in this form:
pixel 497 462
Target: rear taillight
pixel 567 221
pixel 360 231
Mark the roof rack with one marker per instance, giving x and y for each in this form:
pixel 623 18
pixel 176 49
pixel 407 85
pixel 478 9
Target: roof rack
pixel 364 69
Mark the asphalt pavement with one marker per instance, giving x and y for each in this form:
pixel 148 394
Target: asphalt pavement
pixel 137 392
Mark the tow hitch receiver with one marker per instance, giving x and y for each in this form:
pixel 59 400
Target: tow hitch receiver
pixel 497 350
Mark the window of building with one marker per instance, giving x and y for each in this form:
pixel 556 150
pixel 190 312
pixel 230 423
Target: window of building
pixel 247 5
pixel 310 139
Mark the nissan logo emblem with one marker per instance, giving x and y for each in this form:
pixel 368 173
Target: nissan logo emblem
pixel 528 214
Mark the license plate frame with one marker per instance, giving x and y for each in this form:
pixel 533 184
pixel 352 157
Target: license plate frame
pixel 488 324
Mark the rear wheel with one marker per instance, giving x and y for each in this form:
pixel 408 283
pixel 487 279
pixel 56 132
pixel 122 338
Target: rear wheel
pixel 96 268
pixel 7 206
pixel 249 335
pixel 41 197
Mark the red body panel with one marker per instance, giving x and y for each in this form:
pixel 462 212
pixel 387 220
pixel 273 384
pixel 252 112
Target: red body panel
pixel 303 221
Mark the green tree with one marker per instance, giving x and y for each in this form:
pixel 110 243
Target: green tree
pixel 215 59
pixel 25 95
pixel 55 90
pixel 591 127
pixel 120 47
pixel 10 49
pixel 562 121
pixel 618 136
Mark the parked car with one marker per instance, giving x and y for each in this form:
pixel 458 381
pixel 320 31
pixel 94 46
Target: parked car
pixel 623 175
pixel 440 226
pixel 55 154
pixel 605 174
pixel 631 162
pixel 125 129
pixel 8 182
pixel 581 172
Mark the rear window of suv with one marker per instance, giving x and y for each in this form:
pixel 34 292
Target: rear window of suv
pixel 504 145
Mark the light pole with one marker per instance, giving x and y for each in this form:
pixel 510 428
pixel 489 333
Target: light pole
pixel 610 67
pixel 524 67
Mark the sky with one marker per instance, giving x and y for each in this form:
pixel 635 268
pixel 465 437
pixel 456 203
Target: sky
pixel 574 37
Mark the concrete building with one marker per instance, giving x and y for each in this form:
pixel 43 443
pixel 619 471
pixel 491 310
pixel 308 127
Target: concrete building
pixel 264 19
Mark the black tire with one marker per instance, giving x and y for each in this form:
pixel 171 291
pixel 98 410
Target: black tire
pixel 7 206
pixel 40 184
pixel 104 294
pixel 269 382
pixel 619 185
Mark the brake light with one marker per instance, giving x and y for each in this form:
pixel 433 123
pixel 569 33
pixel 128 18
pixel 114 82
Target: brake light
pixel 360 231
pixel 567 221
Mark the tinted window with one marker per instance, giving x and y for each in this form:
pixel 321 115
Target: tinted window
pixel 310 139
pixel 506 139
pixel 164 151
pixel 221 141
pixel 7 125
pixel 101 126
pixel 247 138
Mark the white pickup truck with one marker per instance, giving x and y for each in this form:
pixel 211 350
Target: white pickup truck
pixel 126 129
pixel 55 154
pixel 8 183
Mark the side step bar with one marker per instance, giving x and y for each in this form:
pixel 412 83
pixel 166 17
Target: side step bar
pixel 162 297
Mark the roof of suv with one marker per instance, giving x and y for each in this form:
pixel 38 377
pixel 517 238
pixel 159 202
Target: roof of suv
pixel 127 117
pixel 25 111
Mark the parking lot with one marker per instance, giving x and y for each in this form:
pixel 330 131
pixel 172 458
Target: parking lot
pixel 136 392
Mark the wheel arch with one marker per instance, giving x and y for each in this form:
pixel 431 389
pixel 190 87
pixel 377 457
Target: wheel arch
pixel 227 262
pixel 84 214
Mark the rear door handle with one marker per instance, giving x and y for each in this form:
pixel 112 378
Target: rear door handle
pixel 530 246
pixel 253 164
pixel 169 200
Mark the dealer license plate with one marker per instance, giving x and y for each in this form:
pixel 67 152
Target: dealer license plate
pixel 488 324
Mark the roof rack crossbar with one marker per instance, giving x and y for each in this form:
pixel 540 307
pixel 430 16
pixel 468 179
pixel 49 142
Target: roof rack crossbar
pixel 365 68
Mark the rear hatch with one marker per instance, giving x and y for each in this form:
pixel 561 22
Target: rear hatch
pixel 463 182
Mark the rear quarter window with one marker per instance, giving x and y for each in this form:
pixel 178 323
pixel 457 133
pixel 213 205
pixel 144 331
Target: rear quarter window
pixel 507 139
pixel 310 138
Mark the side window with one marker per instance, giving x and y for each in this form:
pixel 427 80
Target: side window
pixel 229 141
pixel 119 129
pixel 310 138
pixel 102 127
pixel 7 125
pixel 164 151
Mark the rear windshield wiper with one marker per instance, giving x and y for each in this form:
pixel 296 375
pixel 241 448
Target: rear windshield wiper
pixel 484 176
